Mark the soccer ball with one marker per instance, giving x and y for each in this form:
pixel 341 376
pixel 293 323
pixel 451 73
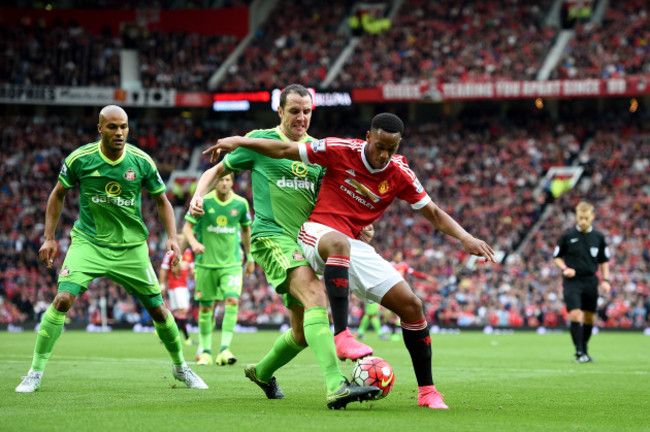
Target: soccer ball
pixel 374 371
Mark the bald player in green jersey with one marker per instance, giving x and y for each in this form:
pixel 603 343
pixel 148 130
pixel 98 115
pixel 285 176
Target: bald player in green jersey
pixel 108 239
pixel 284 193
pixel 215 239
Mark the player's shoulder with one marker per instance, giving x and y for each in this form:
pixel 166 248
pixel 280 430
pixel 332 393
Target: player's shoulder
pixel 239 199
pixel 139 155
pixel 263 133
pixel 83 152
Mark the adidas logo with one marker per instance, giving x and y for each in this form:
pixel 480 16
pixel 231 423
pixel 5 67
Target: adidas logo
pixel 351 172
pixel 95 174
pixel 211 211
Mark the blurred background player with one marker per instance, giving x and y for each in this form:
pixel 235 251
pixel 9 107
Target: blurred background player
pixel 371 316
pixel 174 280
pixel 580 252
pixel 108 239
pixel 404 269
pixel 215 238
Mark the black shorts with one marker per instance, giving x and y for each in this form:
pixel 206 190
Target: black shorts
pixel 581 292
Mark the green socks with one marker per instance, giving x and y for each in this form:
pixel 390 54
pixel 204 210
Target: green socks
pixel 321 340
pixel 363 325
pixel 168 334
pixel 228 325
pixel 205 330
pixel 376 324
pixel 48 333
pixel 284 350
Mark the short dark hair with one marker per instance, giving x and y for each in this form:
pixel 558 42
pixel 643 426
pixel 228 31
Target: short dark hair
pixel 388 122
pixel 293 88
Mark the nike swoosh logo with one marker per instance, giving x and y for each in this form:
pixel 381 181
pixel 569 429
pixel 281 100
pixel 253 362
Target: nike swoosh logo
pixel 344 394
pixel 387 381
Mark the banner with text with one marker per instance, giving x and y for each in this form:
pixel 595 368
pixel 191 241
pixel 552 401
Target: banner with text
pixel 503 90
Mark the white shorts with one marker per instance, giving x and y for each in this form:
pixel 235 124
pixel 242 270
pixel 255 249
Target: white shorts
pixel 371 276
pixel 179 298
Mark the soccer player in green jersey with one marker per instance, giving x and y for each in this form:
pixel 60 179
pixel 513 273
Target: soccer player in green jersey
pixel 108 239
pixel 284 193
pixel 215 238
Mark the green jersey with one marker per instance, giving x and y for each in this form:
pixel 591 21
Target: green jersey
pixel 110 193
pixel 284 191
pixel 219 230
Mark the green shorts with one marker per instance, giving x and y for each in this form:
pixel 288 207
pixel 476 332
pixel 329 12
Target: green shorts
pixel 372 308
pixel 277 255
pixel 129 267
pixel 217 283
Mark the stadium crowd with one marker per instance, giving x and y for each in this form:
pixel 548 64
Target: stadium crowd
pixel 480 170
pixel 447 41
pixel 618 47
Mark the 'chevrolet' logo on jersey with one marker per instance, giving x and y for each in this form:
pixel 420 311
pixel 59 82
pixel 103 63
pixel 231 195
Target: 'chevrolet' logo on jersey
pixel 362 190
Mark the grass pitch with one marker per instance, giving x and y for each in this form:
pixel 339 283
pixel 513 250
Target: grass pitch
pixel 121 381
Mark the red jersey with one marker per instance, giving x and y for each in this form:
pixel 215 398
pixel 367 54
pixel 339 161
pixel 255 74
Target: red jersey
pixel 186 263
pixel 354 194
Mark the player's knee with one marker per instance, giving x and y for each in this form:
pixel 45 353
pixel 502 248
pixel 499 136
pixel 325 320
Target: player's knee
pixel 63 301
pixel 336 244
pixel 232 301
pixel 410 309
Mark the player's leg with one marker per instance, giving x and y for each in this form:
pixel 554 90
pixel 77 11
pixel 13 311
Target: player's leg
pixel 401 300
pixel 572 299
pixel 288 271
pixel 589 305
pixel 305 286
pixel 285 348
pixel 83 262
pixel 334 250
pixel 179 304
pixel 206 327
pixel 329 251
pixel 207 294
pixel 132 269
pixel 231 284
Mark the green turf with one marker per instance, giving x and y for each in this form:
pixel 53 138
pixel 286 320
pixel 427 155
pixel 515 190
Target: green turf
pixel 121 381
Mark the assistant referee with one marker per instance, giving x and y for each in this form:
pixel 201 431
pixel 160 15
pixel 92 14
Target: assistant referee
pixel 580 253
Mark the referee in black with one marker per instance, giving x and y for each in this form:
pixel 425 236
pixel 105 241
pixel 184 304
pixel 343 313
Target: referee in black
pixel 580 252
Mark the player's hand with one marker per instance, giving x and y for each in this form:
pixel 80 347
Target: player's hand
pixel 172 246
pixel 198 248
pixel 366 234
pixel 224 144
pixel 176 270
pixel 250 268
pixel 47 252
pixel 606 286
pixel 196 206
pixel 569 272
pixel 479 248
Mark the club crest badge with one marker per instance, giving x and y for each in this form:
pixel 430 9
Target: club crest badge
pixel 297 256
pixel 130 175
pixel 65 271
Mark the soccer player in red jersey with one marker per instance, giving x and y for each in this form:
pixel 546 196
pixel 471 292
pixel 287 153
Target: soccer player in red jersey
pixel 174 280
pixel 362 180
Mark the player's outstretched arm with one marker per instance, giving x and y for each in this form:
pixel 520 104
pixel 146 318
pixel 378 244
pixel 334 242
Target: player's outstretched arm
pixel 445 223
pixel 48 250
pixel 272 148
